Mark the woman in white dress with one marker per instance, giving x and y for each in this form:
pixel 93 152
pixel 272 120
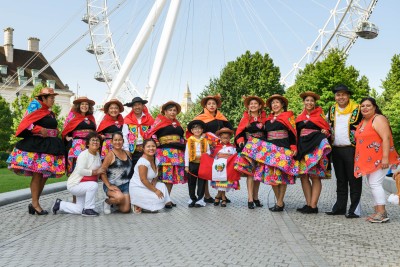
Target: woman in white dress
pixel 146 192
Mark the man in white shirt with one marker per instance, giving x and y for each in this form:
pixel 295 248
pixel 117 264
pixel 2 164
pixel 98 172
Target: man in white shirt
pixel 343 118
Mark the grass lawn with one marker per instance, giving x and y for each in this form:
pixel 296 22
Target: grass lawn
pixel 9 181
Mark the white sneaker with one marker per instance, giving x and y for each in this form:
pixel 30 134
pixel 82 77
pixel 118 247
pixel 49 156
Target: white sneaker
pixel 106 208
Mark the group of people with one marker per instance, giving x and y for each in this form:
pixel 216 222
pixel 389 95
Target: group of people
pixel 139 158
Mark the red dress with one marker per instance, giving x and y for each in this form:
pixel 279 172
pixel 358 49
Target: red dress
pixel 368 156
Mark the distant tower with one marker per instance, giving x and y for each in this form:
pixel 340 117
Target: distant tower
pixel 187 100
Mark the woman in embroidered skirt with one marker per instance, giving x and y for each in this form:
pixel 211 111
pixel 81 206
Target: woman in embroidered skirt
pixel 375 153
pixel 111 123
pixel 79 123
pixel 170 152
pixel 276 153
pixel 312 150
pixel 214 121
pixel 40 153
pixel 250 126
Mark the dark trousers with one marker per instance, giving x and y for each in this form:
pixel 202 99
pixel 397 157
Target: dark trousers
pixel 135 157
pixel 343 163
pixel 193 180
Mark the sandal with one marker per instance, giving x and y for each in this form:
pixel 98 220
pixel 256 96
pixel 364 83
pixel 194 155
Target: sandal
pixel 380 218
pixel 137 210
pixel 370 217
pixel 250 205
pixel 223 203
pixel 216 203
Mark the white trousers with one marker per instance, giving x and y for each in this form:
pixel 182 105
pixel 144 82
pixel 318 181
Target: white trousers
pixel 85 193
pixel 374 181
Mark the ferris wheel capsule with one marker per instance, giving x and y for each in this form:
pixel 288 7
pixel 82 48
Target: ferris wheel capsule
pixel 367 30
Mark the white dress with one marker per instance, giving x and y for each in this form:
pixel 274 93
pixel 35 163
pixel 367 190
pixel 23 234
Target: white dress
pixel 140 195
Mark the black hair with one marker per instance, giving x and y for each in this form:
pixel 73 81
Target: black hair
pixel 373 101
pixel 117 133
pixel 42 97
pixel 170 106
pixel 77 108
pixel 90 136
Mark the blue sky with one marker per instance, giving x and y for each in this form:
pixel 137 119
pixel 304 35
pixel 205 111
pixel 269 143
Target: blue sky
pixel 208 34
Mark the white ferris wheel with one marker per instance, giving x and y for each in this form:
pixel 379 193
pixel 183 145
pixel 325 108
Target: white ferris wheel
pixel 347 20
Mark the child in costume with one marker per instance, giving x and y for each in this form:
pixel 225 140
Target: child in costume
pixel 196 145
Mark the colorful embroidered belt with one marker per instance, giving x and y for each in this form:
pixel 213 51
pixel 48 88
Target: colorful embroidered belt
pixel 169 139
pixel 50 133
pixel 256 135
pixel 305 131
pixel 280 134
pixel 81 133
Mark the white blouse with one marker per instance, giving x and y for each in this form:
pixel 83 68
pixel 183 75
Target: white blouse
pixel 151 174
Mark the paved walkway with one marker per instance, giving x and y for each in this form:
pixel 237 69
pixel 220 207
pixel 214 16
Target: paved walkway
pixel 210 236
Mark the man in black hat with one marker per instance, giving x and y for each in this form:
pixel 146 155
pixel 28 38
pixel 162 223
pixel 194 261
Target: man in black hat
pixel 343 118
pixel 136 123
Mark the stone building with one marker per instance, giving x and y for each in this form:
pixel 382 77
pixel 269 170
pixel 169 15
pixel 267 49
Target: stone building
pixel 187 102
pixel 17 66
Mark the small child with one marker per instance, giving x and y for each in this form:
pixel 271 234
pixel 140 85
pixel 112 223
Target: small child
pixel 225 150
pixel 196 145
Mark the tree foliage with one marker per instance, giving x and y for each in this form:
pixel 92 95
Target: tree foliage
pixel 19 107
pixel 322 77
pixel 391 96
pixel 5 122
pixel 249 74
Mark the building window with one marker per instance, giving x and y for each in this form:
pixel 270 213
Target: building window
pixel 3 69
pixel 35 73
pixel 20 71
pixel 51 84
pixel 22 80
pixel 37 81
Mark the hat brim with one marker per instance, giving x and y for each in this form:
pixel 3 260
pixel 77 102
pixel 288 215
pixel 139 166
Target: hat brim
pixel 203 102
pixel 249 98
pixel 46 94
pixel 130 104
pixel 224 130
pixel 78 101
pixel 276 96
pixel 309 93
pixel 178 107
pixel 108 104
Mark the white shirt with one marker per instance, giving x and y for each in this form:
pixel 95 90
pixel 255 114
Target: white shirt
pixel 342 129
pixel 227 150
pixel 151 174
pixel 85 164
pixel 198 151
pixel 125 132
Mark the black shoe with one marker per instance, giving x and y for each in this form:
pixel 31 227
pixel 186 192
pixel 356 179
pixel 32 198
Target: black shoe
pixel 56 206
pixel 258 203
pixel 303 208
pixel 310 210
pixel 352 215
pixel 197 205
pixel 173 204
pixel 32 210
pixel 191 205
pixel 89 213
pixel 216 201
pixel 250 205
pixel 228 200
pixel 277 208
pixel 209 200
pixel 168 206
pixel 335 213
pixel 223 203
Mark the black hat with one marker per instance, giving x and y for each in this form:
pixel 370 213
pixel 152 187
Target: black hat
pixel 134 100
pixel 196 123
pixel 341 87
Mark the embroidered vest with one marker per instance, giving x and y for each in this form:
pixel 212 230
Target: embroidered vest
pixel 133 135
pixel 192 147
pixel 354 120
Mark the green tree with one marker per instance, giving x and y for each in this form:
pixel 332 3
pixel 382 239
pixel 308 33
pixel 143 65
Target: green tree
pixel 391 84
pixel 323 76
pixel 5 122
pixel 19 107
pixel 249 74
pixel 391 96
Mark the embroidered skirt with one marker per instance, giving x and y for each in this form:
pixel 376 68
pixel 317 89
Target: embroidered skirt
pixel 277 163
pixel 78 145
pixel 171 165
pixel 225 185
pixel 27 163
pixel 316 162
pixel 105 148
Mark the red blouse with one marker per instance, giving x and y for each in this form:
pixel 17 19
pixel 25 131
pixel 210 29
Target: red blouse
pixel 368 156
